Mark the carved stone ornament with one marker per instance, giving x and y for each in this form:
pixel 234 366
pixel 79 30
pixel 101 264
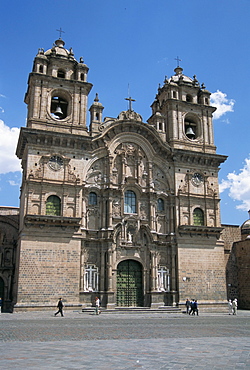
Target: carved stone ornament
pixel 130 115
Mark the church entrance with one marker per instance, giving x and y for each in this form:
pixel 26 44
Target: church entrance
pixel 129 284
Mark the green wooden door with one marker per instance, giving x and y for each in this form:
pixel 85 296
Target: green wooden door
pixel 129 284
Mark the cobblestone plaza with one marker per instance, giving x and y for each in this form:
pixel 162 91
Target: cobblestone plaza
pixel 38 340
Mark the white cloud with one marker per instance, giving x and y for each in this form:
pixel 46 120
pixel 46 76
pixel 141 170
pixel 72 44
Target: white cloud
pixel 239 186
pixel 8 142
pixel 14 183
pixel 223 105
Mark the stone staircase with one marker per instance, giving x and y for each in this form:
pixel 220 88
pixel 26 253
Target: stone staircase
pixel 135 310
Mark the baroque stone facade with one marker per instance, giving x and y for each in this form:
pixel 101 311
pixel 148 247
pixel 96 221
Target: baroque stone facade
pixel 125 209
pixel 9 225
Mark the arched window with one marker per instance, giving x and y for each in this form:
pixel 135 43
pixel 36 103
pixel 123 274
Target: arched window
pixel 59 107
pixel 191 127
pixel 130 202
pixel 198 217
pixel 92 199
pixel 53 206
pixel 160 204
pixel 40 69
pixel 82 77
pixel 60 73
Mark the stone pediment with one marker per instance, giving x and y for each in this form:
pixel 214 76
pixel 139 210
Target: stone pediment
pixel 129 115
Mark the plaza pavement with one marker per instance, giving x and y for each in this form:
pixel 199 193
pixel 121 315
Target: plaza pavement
pixel 38 340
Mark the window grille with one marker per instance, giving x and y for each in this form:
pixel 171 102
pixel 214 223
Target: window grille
pixel 163 279
pixel 53 206
pixel 198 217
pixel 91 278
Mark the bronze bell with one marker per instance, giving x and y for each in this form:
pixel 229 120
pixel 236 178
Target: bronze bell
pixel 190 133
pixel 58 112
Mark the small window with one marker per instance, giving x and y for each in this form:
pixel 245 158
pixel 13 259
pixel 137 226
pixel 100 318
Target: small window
pixel 189 98
pixel 61 73
pixel 198 217
pixel 160 205
pixel 53 206
pixel 97 117
pixel 92 199
pixel 82 77
pixel 130 202
pixel 174 94
pixel 40 69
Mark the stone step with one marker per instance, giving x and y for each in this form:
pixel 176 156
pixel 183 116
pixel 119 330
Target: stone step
pixel 163 309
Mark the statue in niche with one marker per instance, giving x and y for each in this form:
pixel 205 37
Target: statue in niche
pixel 129 237
pixel 116 207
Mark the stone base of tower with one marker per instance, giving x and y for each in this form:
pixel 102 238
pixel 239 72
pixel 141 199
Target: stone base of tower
pixel 208 306
pixel 202 276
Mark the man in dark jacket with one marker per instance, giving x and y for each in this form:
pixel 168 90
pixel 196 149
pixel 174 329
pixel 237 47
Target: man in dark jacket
pixel 60 307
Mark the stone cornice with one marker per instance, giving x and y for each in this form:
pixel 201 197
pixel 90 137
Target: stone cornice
pixel 51 138
pixel 46 220
pixel 198 158
pixel 199 230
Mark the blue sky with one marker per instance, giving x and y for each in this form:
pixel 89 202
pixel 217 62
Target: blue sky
pixel 134 43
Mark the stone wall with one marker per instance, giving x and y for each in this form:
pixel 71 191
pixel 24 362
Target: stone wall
pixel 202 274
pixel 49 268
pixel 241 252
pixel 230 234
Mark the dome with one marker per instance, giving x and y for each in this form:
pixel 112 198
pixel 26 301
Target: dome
pixel 245 229
pixel 59 50
pixel 179 77
pixel 246 226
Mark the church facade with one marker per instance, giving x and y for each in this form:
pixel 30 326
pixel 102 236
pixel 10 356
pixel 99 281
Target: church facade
pixel 121 209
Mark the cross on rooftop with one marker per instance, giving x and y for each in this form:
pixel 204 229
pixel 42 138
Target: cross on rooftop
pixel 130 102
pixel 178 60
pixel 60 31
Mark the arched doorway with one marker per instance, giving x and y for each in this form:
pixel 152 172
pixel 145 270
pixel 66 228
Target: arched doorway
pixel 129 284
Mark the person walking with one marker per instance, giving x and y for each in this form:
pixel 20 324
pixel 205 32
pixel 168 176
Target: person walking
pixel 192 307
pixel 60 307
pixel 97 306
pixel 187 304
pixel 1 303
pixel 235 305
pixel 195 309
pixel 230 307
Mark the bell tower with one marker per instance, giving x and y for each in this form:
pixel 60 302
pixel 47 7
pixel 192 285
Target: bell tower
pixel 58 91
pixel 185 107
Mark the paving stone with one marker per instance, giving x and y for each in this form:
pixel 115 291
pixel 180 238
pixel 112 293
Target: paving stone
pixel 38 340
